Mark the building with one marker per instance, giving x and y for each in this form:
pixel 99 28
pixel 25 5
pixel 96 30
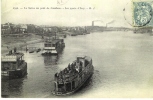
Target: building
pixel 31 28
pixel 7 28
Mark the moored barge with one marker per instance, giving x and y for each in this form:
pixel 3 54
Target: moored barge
pixel 53 47
pixel 13 65
pixel 74 76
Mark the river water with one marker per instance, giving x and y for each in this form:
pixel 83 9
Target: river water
pixel 123 67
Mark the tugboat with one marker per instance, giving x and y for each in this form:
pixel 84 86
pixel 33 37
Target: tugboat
pixel 13 65
pixel 53 46
pixel 74 76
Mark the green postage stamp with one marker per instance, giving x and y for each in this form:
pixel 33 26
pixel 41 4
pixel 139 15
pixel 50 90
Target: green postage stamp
pixel 142 13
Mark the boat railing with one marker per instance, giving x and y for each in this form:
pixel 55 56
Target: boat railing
pixel 70 78
pixel 69 73
pixel 5 68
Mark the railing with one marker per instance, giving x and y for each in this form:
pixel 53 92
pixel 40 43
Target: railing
pixel 9 58
pixel 49 47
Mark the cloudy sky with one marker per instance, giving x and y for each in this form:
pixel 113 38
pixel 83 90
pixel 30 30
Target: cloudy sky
pixel 104 10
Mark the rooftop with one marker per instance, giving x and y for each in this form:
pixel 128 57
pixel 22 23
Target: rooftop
pixel 11 57
pixel 53 41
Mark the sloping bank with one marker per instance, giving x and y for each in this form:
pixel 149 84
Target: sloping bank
pixel 6 48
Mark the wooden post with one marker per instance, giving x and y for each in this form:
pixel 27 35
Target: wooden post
pixel 71 85
pixel 17 63
pixel 56 87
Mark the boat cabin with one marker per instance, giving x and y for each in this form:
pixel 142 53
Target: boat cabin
pixel 52 44
pixel 12 61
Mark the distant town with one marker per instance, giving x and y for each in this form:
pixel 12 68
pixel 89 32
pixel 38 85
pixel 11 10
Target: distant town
pixel 10 28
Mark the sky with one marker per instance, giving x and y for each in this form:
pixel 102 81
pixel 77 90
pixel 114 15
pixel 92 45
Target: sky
pixel 104 10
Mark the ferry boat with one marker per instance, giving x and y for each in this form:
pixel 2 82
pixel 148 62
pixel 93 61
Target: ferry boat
pixel 13 65
pixel 74 76
pixel 53 47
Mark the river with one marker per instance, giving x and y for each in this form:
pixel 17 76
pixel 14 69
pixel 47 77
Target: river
pixel 123 67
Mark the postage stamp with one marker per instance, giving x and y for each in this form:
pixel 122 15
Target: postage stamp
pixel 142 13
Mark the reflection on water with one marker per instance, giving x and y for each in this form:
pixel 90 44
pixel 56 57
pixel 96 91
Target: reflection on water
pixel 50 60
pixel 12 87
pixel 123 67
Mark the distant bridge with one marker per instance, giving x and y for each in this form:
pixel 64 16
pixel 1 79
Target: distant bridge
pixel 102 22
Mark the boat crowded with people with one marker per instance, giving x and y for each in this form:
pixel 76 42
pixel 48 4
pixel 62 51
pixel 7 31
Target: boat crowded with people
pixel 74 76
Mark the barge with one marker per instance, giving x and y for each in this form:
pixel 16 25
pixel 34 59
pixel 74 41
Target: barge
pixel 74 76
pixel 13 65
pixel 53 47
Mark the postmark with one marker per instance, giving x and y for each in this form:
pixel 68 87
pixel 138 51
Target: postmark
pixel 142 13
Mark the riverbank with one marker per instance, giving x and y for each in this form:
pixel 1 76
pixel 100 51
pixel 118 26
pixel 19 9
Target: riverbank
pixel 9 42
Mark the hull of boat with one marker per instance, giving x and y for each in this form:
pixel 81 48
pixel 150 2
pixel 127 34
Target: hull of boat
pixel 12 74
pixel 76 89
